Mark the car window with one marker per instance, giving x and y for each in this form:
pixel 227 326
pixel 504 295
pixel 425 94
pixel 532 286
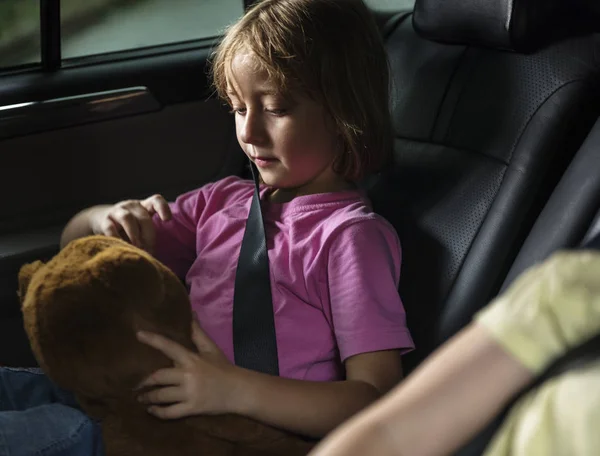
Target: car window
pixel 391 5
pixel 142 23
pixel 93 27
pixel 19 32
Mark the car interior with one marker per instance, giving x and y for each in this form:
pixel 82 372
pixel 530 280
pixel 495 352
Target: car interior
pixel 485 127
pixel 495 107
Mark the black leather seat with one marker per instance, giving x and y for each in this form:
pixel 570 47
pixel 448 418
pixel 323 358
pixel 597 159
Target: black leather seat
pixel 483 134
pixel 572 215
pixel 570 219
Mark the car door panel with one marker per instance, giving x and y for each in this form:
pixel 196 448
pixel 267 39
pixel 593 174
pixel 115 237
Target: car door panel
pixel 74 154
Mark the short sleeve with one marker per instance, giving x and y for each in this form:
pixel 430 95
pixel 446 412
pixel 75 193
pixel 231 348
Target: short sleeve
pixel 550 308
pixel 363 274
pixel 561 417
pixel 176 238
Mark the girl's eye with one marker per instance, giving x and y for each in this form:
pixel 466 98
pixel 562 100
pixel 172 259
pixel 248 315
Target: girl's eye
pixel 240 111
pixel 278 112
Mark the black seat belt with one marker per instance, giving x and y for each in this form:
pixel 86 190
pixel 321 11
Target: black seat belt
pixel 576 357
pixel 254 338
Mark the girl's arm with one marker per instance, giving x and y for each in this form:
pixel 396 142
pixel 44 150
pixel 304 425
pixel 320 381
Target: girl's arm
pixel 205 382
pixel 315 408
pixel 130 220
pixel 365 310
pixel 438 408
pixel 81 224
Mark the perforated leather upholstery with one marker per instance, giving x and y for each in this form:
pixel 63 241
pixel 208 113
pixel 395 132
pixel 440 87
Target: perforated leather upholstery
pixel 482 136
pixel 571 216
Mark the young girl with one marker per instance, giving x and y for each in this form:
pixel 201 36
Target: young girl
pixel 307 81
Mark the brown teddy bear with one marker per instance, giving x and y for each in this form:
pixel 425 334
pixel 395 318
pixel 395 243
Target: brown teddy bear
pixel 81 312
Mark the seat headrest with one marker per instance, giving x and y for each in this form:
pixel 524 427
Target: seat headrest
pixel 587 14
pixel 518 25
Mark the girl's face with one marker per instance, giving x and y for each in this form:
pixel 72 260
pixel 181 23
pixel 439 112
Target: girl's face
pixel 291 141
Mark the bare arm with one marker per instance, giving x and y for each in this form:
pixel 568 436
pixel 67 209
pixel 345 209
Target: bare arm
pixel 451 396
pixel 464 384
pixel 80 225
pixel 316 408
pixel 130 220
pixel 205 382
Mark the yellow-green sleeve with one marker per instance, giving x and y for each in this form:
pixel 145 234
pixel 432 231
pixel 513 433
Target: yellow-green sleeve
pixel 560 418
pixel 550 308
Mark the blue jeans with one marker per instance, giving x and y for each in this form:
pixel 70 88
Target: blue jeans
pixel 38 418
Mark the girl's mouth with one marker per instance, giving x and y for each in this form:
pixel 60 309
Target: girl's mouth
pixel 264 162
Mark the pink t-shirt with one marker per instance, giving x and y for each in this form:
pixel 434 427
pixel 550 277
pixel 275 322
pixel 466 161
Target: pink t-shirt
pixel 334 265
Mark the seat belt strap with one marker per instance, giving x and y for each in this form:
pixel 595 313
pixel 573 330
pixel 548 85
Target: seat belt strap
pixel 254 337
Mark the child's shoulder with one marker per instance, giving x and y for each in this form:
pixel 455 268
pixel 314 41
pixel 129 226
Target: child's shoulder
pixel 232 184
pixel 356 222
pixel 359 216
pixel 226 191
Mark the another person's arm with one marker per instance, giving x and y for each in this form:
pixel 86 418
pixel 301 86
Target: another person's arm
pixel 440 406
pixel 465 383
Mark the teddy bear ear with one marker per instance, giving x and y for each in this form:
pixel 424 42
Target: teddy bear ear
pixel 25 275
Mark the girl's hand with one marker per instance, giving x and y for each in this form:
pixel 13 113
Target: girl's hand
pixel 131 220
pixel 199 383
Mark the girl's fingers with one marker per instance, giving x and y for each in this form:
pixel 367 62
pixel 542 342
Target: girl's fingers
pixel 202 342
pixel 168 395
pixel 109 228
pixel 128 222
pixel 162 377
pixel 171 412
pixel 168 347
pixel 156 204
pixel 146 227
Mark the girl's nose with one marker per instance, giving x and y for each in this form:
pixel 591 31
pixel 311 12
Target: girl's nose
pixel 251 128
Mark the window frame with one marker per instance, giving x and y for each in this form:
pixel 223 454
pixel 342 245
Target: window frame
pixel 50 37
pixel 51 45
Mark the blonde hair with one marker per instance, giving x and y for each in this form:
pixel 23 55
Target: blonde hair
pixel 332 51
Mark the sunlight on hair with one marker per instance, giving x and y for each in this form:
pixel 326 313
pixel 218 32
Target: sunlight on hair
pixel 305 45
